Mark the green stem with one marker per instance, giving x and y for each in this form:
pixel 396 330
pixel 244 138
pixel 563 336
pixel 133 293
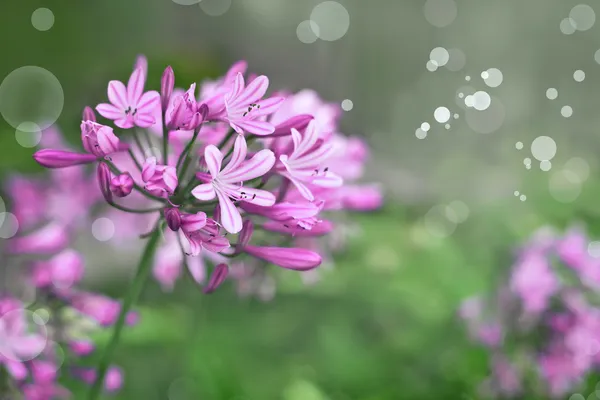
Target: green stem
pixel 134 211
pixel 165 139
pixel 135 160
pixel 184 159
pixel 143 270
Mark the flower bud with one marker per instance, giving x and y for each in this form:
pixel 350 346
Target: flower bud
pixel 104 179
pixel 173 218
pixel 121 185
pixel 217 278
pixel 98 139
pixel 291 258
pixel 88 114
pixel 61 159
pixel 167 84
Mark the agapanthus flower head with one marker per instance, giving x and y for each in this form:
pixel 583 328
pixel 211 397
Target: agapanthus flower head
pixel 547 299
pixel 223 185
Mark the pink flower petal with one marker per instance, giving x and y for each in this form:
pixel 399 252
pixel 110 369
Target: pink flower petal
pixel 213 158
pixel 257 196
pixel 311 135
pixel 135 87
pixel 267 107
pixel 328 180
pixel 258 165
pixel 296 138
pixel 124 123
pixel 109 111
pixel 117 94
pixel 148 103
pixel 260 128
pixel 252 93
pixel 144 120
pixel 197 269
pixel 240 149
pixel 204 192
pixel 238 86
pixel 302 188
pixel 230 216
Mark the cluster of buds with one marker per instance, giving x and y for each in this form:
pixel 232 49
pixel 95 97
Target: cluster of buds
pixel 542 327
pixel 231 176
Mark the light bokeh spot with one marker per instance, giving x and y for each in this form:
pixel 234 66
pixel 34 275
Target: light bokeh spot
pixel 306 32
pixel 440 13
pixel 28 134
pixel 215 8
pixel 566 111
pixel 9 225
pixel 440 56
pixel 332 18
pixel 42 19
pixel 543 148
pixel 31 94
pixel 552 94
pixel 583 17
pixel 493 77
pixel 103 229
pixel 347 105
pixel 441 114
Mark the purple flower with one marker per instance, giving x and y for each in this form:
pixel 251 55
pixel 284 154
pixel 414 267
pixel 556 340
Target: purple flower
pixel 244 108
pixel 534 281
pixel 227 183
pixel 130 106
pixel 160 179
pixel 98 139
pixel 305 164
pixel 186 113
pixel 121 185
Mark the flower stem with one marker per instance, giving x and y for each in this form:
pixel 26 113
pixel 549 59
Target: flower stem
pixel 184 158
pixel 165 142
pixel 131 297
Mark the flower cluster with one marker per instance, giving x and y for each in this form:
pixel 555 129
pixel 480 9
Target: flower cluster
pixel 543 326
pixel 230 175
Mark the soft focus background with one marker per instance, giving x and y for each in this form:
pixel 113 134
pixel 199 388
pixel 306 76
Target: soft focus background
pixel 381 322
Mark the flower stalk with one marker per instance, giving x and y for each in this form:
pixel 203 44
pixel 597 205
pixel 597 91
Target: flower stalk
pixel 136 288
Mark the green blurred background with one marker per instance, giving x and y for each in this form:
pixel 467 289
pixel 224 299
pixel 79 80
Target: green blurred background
pixel 380 324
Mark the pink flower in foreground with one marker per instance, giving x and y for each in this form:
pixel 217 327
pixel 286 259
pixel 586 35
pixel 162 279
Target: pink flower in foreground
pixel 226 184
pixel 305 163
pixel 130 106
pixel 159 179
pixel 244 107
